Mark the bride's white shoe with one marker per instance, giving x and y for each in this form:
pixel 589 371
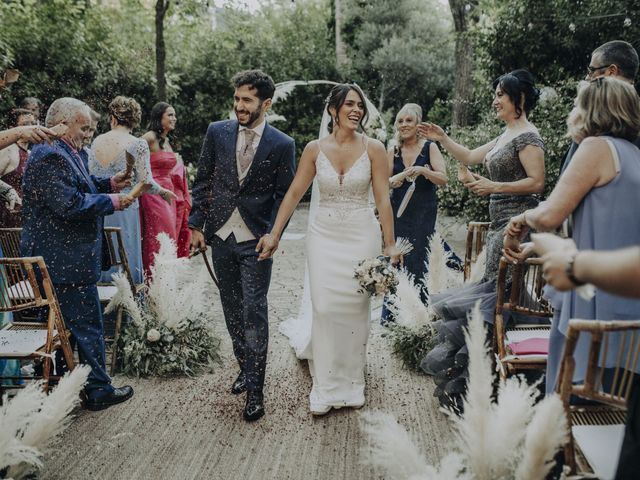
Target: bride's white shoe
pixel 319 411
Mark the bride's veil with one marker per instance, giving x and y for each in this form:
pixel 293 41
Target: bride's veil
pixel 298 328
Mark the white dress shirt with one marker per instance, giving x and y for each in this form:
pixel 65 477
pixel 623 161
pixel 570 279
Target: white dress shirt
pixel 236 224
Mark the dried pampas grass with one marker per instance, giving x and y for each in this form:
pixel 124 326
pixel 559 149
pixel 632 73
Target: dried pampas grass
pixel 512 438
pixel 30 420
pixel 406 305
pixel 439 276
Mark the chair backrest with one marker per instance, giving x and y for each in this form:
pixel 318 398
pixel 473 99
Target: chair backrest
pixel 476 238
pixel 25 283
pixel 527 283
pixel 115 254
pixel 617 341
pixel 10 242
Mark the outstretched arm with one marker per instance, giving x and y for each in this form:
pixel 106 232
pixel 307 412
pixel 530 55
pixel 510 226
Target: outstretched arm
pixel 461 153
pixel 268 244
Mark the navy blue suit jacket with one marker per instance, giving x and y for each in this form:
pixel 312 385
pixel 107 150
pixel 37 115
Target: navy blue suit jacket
pixel 62 213
pixel 217 191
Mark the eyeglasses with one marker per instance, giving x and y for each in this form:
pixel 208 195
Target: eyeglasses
pixel 591 70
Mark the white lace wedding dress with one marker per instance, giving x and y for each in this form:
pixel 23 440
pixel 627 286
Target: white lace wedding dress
pixel 342 232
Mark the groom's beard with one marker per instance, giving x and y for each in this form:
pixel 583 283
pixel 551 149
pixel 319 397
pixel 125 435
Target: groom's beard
pixel 253 116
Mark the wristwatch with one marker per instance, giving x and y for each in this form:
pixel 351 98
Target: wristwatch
pixel 569 271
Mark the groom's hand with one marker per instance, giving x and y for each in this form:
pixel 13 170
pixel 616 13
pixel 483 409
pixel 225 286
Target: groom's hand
pixel 197 242
pixel 267 246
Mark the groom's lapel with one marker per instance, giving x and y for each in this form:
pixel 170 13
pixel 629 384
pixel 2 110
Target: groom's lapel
pixel 229 153
pixel 264 148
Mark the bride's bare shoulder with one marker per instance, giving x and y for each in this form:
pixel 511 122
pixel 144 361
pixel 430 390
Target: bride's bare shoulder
pixel 375 147
pixel 313 147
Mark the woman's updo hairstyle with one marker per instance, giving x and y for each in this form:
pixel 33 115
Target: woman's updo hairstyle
pixel 516 85
pixel 337 97
pixel 126 111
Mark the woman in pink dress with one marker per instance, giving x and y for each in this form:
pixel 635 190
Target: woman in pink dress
pixel 183 207
pixel 156 215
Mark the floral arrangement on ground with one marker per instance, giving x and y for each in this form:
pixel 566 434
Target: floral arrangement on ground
pixel 170 328
pixel 413 335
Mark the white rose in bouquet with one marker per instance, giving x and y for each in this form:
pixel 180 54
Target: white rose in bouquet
pixel 153 335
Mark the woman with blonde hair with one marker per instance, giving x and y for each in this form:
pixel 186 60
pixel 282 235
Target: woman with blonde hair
pixel 108 155
pixel 600 192
pixel 416 168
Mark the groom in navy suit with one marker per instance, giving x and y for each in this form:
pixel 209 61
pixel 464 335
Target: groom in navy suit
pixel 245 169
pixel 63 210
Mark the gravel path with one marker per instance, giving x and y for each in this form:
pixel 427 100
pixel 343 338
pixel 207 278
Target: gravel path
pixel 191 428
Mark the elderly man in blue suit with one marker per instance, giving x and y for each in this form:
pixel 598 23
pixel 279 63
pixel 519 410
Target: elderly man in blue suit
pixel 63 210
pixel 245 169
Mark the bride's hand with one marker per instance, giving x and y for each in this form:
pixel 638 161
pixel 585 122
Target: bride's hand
pixel 394 254
pixel 267 246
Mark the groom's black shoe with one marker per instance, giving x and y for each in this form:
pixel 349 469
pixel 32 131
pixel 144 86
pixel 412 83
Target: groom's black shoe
pixel 240 385
pixel 254 408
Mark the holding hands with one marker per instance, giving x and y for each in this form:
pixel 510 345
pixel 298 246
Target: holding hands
pixel 267 246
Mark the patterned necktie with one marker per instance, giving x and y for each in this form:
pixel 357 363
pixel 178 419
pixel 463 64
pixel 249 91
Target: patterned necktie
pixel 247 152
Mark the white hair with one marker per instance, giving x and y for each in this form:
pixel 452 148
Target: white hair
pixel 412 109
pixel 63 109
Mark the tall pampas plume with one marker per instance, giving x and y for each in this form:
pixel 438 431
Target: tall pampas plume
pixel 472 429
pixel 545 435
pixel 392 449
pixel 124 297
pixel 406 305
pixel 32 419
pixel 439 277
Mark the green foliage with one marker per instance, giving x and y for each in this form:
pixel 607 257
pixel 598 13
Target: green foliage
pixel 552 38
pixel 400 50
pixel 411 345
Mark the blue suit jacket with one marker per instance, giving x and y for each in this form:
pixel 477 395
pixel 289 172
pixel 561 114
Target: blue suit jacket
pixel 217 191
pixel 62 213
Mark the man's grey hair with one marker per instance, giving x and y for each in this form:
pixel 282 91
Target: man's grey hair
pixel 64 109
pixel 620 53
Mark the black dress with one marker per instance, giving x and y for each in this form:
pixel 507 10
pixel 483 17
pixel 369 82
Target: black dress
pixel 418 221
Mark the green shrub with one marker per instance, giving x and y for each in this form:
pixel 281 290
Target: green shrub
pixel 411 345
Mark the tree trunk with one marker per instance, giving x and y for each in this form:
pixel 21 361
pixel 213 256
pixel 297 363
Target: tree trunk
pixel 463 84
pixel 341 48
pixel 161 10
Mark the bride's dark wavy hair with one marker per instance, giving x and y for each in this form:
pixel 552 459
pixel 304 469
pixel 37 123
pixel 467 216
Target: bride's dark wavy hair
pixel 337 97
pixel 155 121
pixel 517 84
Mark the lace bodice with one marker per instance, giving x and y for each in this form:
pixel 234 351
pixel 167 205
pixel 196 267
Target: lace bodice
pixel 139 150
pixel 341 195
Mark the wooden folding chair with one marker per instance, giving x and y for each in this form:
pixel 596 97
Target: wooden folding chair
pixel 25 284
pixel 117 257
pixel 597 429
pixel 476 238
pixel 525 298
pixel 10 242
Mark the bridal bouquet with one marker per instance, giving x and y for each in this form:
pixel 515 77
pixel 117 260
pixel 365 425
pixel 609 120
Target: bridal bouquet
pixel 377 276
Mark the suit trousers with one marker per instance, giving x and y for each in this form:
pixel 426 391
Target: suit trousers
pixel 82 313
pixel 244 284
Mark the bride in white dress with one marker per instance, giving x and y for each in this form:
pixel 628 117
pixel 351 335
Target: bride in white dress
pixel 343 231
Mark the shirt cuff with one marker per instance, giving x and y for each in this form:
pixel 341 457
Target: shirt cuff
pixel 114 186
pixel 115 199
pixel 193 227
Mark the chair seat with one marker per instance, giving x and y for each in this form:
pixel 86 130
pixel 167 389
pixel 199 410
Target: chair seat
pixel 600 445
pixel 21 291
pixel 22 342
pixel 522 333
pixel 106 292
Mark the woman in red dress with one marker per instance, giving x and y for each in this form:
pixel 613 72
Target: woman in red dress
pixel 156 215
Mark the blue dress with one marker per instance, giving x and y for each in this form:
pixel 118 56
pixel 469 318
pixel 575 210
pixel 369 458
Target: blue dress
pixel 418 221
pixel 128 220
pixel 609 208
